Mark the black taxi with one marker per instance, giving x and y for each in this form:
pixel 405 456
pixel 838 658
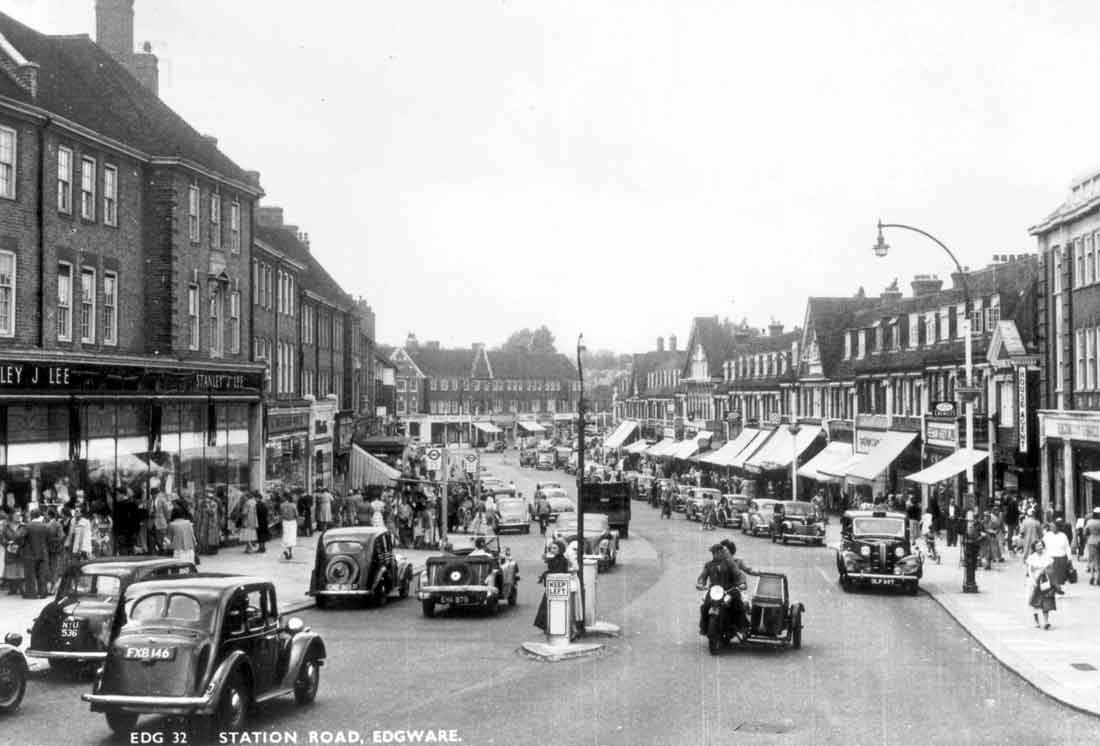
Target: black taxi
pixel 72 629
pixel 876 550
pixel 358 562
pixel 204 647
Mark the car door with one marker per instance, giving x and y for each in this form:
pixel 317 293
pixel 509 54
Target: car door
pixel 246 628
pixel 282 636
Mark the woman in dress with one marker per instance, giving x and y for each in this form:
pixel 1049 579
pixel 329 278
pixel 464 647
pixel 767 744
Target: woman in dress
pixel 555 563
pixel 323 501
pixel 288 514
pixel 181 534
pixel 1040 588
pixel 249 524
pixel 9 540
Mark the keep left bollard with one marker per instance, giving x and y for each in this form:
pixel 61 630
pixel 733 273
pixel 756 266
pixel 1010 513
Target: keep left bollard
pixel 559 611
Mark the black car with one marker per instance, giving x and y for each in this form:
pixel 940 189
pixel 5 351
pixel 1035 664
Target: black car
pixel 876 550
pixel 795 520
pixel 13 673
pixel 473 572
pixel 72 629
pixel 205 648
pixel 358 562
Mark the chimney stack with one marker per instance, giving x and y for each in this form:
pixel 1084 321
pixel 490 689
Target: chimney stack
pixel 775 329
pixel 253 178
pixel 660 344
pixel 114 30
pixel 146 71
pixel 925 285
pixel 411 342
pixel 672 343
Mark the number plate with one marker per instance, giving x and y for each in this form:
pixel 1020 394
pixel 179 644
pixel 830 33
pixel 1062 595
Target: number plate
pixel 454 599
pixel 70 627
pixel 884 581
pixel 149 653
pixel 338 587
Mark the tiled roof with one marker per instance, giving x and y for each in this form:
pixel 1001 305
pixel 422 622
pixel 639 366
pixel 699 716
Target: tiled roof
pixel 319 281
pixel 79 81
pixel 645 363
pixel 515 364
pixel 283 241
pixel 443 363
pixel 716 339
pixel 829 318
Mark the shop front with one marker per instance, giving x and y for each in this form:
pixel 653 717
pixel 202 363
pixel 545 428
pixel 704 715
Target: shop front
pixel 286 454
pixel 1069 462
pixel 323 418
pixel 67 426
pixel 341 449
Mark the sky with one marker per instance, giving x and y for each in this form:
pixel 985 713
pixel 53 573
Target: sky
pixel 472 167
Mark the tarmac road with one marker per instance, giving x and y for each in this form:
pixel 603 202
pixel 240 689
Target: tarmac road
pixel 875 668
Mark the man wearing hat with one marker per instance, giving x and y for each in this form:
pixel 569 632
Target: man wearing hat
pixel 1092 545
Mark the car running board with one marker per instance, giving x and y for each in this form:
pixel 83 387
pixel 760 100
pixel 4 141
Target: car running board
pixel 273 695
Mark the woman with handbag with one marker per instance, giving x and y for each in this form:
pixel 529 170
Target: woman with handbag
pixel 1040 587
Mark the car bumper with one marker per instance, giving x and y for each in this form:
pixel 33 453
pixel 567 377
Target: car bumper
pixel 149 705
pixel 804 536
pixel 356 592
pixel 74 655
pixel 505 525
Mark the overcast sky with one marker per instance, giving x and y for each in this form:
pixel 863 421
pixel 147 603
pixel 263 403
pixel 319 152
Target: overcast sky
pixel 616 168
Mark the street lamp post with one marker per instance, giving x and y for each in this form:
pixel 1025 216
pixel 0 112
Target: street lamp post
pixel 580 475
pixel 794 429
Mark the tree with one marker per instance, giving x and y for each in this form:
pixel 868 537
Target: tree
pixel 539 340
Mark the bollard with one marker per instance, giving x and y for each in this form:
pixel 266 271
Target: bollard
pixel 559 611
pixel 591 562
pixel 970 549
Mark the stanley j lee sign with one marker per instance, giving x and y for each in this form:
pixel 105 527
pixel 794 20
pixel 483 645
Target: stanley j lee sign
pixel 16 376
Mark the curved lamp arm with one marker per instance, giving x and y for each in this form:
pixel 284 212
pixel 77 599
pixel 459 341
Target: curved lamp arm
pixel 938 242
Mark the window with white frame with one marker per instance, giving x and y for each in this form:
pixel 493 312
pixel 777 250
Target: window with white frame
pixel 110 308
pixel 1090 363
pixel 1090 261
pixel 269 286
pixel 64 180
pixel 87 188
pixel 861 344
pixel 64 302
pixel 7 294
pixel 255 282
pixel 235 322
pixel 1056 282
pixel 1079 277
pixel 193 213
pixel 914 331
pixel 992 317
pixel 193 317
pixel 110 194
pixel 977 317
pixel 87 305
pixel 235 227
pixel 215 220
pixel 216 322
pixel 8 141
pixel 1079 351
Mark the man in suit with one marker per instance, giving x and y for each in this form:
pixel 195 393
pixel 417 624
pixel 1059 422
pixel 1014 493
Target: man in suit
pixel 36 556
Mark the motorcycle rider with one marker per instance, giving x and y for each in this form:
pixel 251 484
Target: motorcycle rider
pixel 724 572
pixel 740 608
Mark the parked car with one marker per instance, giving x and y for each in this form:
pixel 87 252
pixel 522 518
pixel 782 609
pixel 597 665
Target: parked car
pixel 876 550
pixel 513 514
pixel 358 562
pixel 696 504
pixel 757 519
pixel 599 538
pixel 73 628
pixel 13 673
pixel 475 571
pixel 560 502
pixel 737 506
pixel 206 648
pixel 547 459
pixel 495 446
pixel 543 485
pixel 794 520
pixel 527 457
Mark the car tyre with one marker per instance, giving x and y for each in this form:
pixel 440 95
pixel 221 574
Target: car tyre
pixel 493 608
pixel 403 591
pixel 773 538
pixel 308 681
pixel 796 638
pixel 323 602
pixel 121 723
pixel 624 533
pixel 845 583
pixel 232 712
pixel 428 607
pixel 527 529
pixel 912 589
pixel 12 672
pixel 783 539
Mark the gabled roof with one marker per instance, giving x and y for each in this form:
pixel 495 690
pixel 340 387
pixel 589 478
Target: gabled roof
pixel 320 282
pixel 517 364
pixel 443 363
pixel 283 241
pixel 645 363
pixel 716 339
pixel 79 81
pixel 826 320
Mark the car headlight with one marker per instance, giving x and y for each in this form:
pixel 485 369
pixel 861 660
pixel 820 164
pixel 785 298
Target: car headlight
pixel 865 551
pixel 716 593
pixel 787 525
pixel 899 552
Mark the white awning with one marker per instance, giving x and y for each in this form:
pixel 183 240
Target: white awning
pixel 365 469
pixel 662 448
pixel 531 427
pixel 782 447
pixel 622 432
pixel 487 427
pixel 686 449
pixel 1093 475
pixel 724 456
pixel 638 446
pixel 955 464
pixel 833 455
pixel 756 441
pixel 879 458
pixel 839 471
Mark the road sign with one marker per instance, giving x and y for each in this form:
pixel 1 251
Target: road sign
pixel 557 586
pixel 470 463
pixel 434 457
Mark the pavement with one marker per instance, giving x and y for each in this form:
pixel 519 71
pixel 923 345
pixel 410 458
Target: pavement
pixel 291 580
pixel 1062 662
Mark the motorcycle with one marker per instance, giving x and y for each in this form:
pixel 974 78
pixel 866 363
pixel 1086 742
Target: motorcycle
pixel 721 617
pixel 769 617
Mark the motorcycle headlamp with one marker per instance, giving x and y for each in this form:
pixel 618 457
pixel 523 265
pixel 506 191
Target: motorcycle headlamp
pixel 865 550
pixel 716 593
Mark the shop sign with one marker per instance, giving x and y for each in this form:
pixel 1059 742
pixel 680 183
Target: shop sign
pixel 434 458
pixel 1067 428
pixel 941 434
pixel 868 441
pixel 16 375
pixel 287 422
pixel 873 421
pixel 840 430
pixel 1021 401
pixel 470 463
pixel 344 430
pixel 944 409
pixel 668 432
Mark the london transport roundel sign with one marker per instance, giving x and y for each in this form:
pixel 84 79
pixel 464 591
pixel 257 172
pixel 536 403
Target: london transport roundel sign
pixel 433 454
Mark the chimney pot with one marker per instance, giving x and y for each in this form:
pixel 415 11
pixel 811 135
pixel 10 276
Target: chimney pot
pixel 660 344
pixel 27 75
pixel 926 285
pixel 672 343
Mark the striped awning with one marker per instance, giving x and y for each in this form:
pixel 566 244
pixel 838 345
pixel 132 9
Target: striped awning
pixel 365 469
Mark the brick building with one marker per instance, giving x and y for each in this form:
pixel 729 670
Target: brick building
pixel 650 392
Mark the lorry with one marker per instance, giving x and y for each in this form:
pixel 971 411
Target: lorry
pixel 610 498
pixel 545 459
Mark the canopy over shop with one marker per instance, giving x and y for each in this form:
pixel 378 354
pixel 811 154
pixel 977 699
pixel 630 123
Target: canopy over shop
pixel 949 467
pixel 621 435
pixel 367 470
pixel 781 448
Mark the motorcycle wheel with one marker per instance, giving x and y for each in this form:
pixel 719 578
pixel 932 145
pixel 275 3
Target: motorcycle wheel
pixel 714 635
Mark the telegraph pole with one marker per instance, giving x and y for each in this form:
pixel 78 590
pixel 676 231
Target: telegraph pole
pixel 580 475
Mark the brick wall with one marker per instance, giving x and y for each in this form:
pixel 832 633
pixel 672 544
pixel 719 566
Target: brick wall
pixel 19 233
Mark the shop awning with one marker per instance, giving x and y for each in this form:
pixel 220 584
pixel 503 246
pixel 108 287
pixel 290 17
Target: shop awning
pixel 724 456
pixel 365 469
pixel 1093 475
pixel 531 427
pixel 840 470
pixel 955 464
pixel 832 456
pixel 756 441
pixel 622 432
pixel 782 447
pixel 662 448
pixel 638 446
pixel 487 427
pixel 564 416
pixel 879 458
pixel 686 449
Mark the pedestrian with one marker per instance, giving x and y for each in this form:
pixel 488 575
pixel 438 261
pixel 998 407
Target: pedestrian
pixel 35 554
pixel 996 526
pixel 305 512
pixel 162 513
pixel 542 513
pixel 263 524
pixel 1092 544
pixel 55 547
pixel 322 501
pixel 78 544
pixel 102 533
pixel 404 523
pixel 181 536
pixel 249 523
pixel 1031 531
pixel 556 563
pixel 952 526
pixel 913 514
pixel 1040 587
pixel 209 528
pixel 666 504
pixel 377 507
pixel 1012 522
pixel 1079 537
pixel 126 522
pixel 288 514
pixel 11 537
pixel 1057 550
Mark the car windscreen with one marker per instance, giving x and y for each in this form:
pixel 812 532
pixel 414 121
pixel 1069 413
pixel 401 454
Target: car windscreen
pixel 878 527
pixel 343 547
pixel 511 507
pixel 560 504
pixel 164 609
pixel 800 509
pixel 87 585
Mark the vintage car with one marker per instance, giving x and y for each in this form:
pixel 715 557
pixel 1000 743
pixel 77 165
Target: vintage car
pixel 546 459
pixel 560 503
pixel 527 456
pixel 600 540
pixel 72 629
pixel 475 571
pixel 358 562
pixel 544 485
pixel 513 515
pixel 795 520
pixel 695 507
pixel 206 648
pixel 876 550
pixel 736 507
pixel 495 446
pixel 757 519
pixel 490 483
pixel 13 673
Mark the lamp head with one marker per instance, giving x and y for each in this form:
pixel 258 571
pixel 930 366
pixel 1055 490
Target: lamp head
pixel 881 248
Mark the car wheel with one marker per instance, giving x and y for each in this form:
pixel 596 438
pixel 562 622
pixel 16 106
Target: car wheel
pixel 773 538
pixel 514 595
pixel 912 589
pixel 13 684
pixel 428 607
pixel 845 583
pixel 494 606
pixel 783 539
pixel 527 529
pixel 309 679
pixel 233 708
pixel 121 723
pixel 624 533
pixel 405 583
pixel 796 638
pixel 322 601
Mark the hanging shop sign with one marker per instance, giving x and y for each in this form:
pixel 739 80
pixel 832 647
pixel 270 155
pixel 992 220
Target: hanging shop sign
pixel 944 434
pixel 345 426
pixel 1021 403
pixel 944 409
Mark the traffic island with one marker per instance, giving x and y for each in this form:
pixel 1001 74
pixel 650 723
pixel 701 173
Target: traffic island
pixel 549 652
